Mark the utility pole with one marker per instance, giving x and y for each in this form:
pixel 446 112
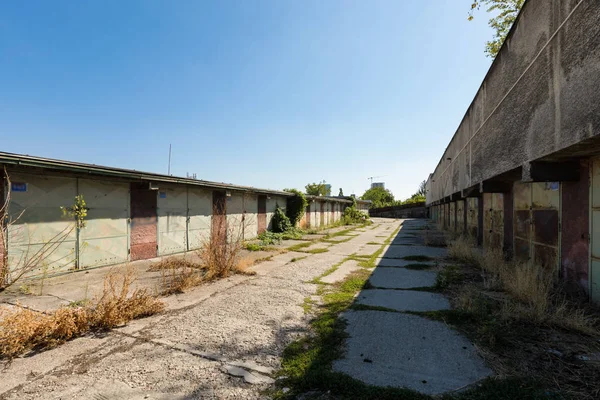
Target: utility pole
pixel 169 170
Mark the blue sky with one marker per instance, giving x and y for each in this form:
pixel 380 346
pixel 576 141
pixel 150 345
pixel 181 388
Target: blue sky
pixel 266 93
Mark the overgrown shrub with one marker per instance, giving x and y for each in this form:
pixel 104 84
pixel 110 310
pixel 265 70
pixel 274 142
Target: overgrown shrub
pixel 296 206
pixel 280 222
pixel 352 215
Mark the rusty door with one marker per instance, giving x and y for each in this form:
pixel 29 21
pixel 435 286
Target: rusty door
pixel 332 218
pixel 594 275
pixel 472 216
pixel 143 222
pixel 537 223
pixel 452 226
pixel 493 221
pixel 219 217
pixel 262 213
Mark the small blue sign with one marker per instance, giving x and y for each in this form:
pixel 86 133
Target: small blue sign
pixel 162 195
pixel 18 187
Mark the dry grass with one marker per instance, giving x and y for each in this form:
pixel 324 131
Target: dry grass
pixel 533 291
pixel 434 238
pixel 25 330
pixel 178 274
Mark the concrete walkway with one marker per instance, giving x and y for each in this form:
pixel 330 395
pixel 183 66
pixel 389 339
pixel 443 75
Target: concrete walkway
pixel 221 340
pixel 387 348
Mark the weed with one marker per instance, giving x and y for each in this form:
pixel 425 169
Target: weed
pixel 316 251
pixel 254 247
pixel 299 246
pixel 297 259
pixel 447 276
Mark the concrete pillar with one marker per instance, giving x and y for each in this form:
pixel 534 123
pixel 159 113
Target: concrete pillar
pixel 574 243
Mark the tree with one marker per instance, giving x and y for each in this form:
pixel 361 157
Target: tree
pixel 422 190
pixel 379 196
pixel 501 23
pixel 341 193
pixel 316 189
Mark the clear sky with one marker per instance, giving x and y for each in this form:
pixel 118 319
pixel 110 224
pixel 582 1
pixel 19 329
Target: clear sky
pixel 271 94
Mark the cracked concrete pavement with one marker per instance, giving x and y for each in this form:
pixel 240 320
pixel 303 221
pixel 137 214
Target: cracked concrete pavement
pixel 209 343
pixel 224 339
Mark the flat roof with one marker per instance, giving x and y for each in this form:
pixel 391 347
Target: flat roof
pixel 100 170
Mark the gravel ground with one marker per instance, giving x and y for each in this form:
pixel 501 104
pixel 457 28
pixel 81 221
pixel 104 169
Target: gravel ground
pixel 183 353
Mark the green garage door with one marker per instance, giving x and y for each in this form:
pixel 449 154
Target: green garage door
pixel 105 238
pixel 172 220
pixel 199 217
pixel 41 235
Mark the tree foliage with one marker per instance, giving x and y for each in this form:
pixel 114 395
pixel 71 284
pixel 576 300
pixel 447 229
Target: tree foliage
pixel 501 23
pixel 316 189
pixel 379 196
pixel 422 191
pixel 296 206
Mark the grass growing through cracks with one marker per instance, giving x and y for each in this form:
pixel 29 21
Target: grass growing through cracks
pixel 307 363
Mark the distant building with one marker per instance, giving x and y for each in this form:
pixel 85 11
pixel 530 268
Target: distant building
pixel 378 184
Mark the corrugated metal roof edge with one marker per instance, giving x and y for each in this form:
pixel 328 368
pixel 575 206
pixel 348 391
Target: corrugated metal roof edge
pixel 49 163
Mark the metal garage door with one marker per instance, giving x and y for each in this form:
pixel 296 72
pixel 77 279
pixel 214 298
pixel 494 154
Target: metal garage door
pixel 172 220
pixel 536 223
pixel 105 238
pixel 199 216
pixel 41 234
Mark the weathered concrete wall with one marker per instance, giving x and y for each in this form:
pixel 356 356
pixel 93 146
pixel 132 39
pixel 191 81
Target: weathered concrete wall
pixel 404 211
pixel 538 99
pixel 575 229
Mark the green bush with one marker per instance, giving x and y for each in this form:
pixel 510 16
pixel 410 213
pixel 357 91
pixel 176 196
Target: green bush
pixel 280 221
pixel 352 215
pixel 296 206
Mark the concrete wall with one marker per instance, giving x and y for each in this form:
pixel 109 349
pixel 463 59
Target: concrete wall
pixel 538 99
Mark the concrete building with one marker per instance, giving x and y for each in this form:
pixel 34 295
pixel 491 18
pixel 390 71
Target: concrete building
pixel 131 215
pixel 522 171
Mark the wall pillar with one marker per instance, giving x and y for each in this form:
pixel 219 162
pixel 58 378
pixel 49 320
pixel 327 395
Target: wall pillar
pixel 574 243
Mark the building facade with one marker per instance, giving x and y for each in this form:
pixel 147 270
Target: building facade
pixel 522 172
pixel 131 215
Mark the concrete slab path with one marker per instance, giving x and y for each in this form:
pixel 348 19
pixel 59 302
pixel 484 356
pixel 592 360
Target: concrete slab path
pixel 401 278
pixel 395 349
pixel 341 272
pixel 403 300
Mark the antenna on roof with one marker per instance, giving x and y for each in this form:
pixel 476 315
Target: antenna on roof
pixel 169 170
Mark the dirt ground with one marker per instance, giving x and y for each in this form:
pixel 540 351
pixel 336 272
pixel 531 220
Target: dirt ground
pixel 209 344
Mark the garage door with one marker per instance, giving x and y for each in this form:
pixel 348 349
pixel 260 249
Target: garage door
pixel 536 223
pixel 493 221
pixel 41 235
pixel 200 212
pixel 172 216
pixel 105 238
